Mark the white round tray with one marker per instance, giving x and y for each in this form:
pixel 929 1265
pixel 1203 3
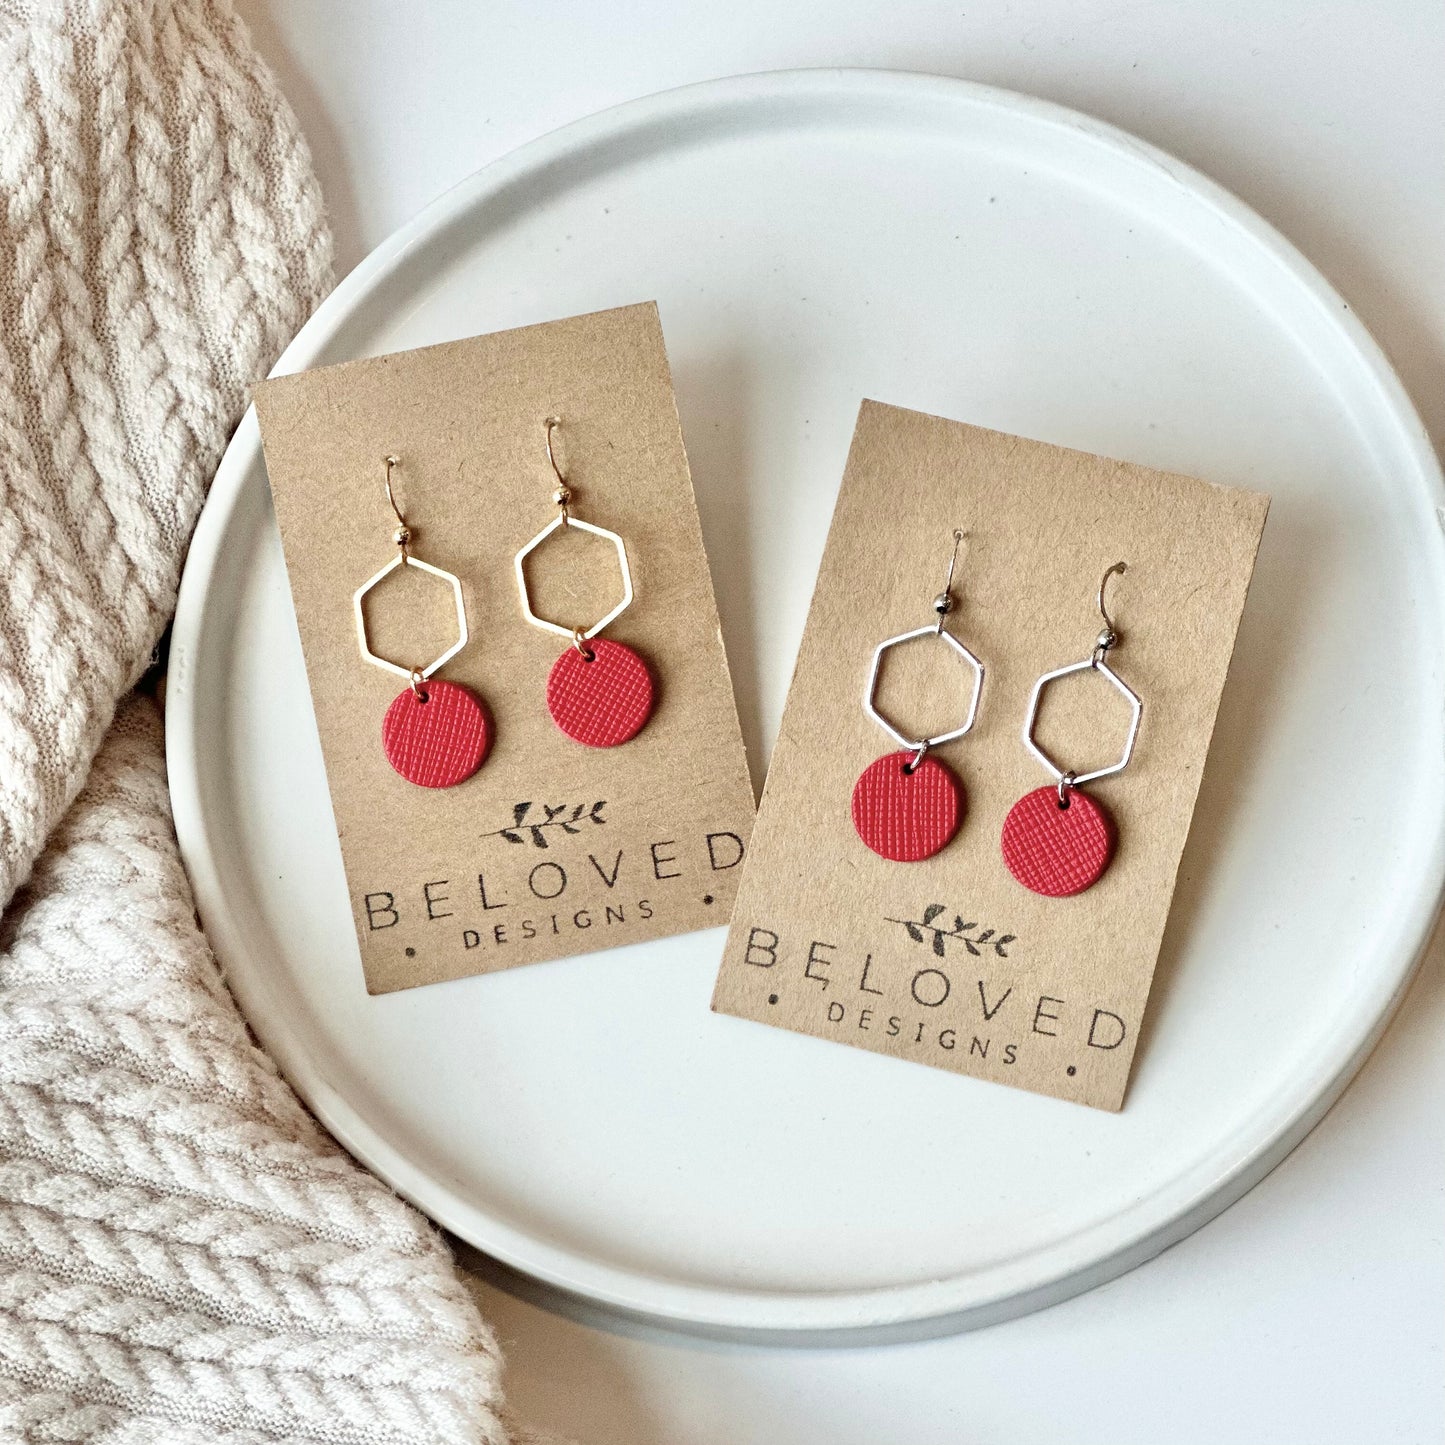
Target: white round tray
pixel 813 239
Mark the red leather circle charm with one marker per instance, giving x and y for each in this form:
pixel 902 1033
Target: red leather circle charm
pixel 1057 851
pixel 907 816
pixel 439 742
pixel 602 700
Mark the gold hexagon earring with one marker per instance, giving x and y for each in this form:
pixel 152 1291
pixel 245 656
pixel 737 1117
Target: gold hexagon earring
pixel 435 734
pixel 599 692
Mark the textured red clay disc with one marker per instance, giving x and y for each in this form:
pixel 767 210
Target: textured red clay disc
pixel 602 702
pixel 439 742
pixel 906 816
pixel 1057 851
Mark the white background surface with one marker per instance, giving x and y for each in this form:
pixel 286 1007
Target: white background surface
pixel 1312 1310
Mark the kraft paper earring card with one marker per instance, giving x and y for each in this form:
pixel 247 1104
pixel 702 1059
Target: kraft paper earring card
pixel 512 646
pixel 973 820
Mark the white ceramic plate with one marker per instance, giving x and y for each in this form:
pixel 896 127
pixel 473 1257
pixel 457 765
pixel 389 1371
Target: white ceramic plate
pixel 813 239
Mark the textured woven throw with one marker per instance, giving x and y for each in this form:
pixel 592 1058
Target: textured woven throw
pixel 184 1255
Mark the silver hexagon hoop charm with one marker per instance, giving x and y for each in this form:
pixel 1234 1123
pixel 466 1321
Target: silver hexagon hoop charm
pixel 1066 779
pixel 435 734
pixel 908 805
pixel 1057 840
pixel 599 692
pixel 922 746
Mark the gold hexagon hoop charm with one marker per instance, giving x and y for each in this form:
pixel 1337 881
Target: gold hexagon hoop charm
pixel 403 559
pixel 599 692
pixel 563 520
pixel 438 735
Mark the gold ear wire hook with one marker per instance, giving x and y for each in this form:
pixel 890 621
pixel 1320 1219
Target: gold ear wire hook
pixel 943 603
pixel 402 535
pixel 563 495
pixel 1109 636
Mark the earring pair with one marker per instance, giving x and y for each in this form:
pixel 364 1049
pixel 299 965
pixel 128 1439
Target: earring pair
pixel 1056 840
pixel 437 733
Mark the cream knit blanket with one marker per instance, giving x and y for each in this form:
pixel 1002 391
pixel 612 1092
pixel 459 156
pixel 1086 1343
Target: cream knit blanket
pixel 184 1256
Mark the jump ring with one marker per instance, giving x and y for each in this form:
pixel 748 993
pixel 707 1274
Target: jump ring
pixel 920 751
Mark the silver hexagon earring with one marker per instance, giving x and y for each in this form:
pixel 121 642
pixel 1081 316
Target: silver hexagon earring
pixel 1057 840
pixel 908 805
pixel 599 692
pixel 435 733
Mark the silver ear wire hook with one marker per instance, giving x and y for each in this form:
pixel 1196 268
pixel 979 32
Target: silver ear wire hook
pixel 943 603
pixel 402 535
pixel 563 495
pixel 1066 779
pixel 1109 636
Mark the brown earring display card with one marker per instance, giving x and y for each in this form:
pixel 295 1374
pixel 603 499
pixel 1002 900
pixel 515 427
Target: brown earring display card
pixel 552 847
pixel 950 961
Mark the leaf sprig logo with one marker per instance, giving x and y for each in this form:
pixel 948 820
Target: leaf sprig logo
pixel 929 929
pixel 565 817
